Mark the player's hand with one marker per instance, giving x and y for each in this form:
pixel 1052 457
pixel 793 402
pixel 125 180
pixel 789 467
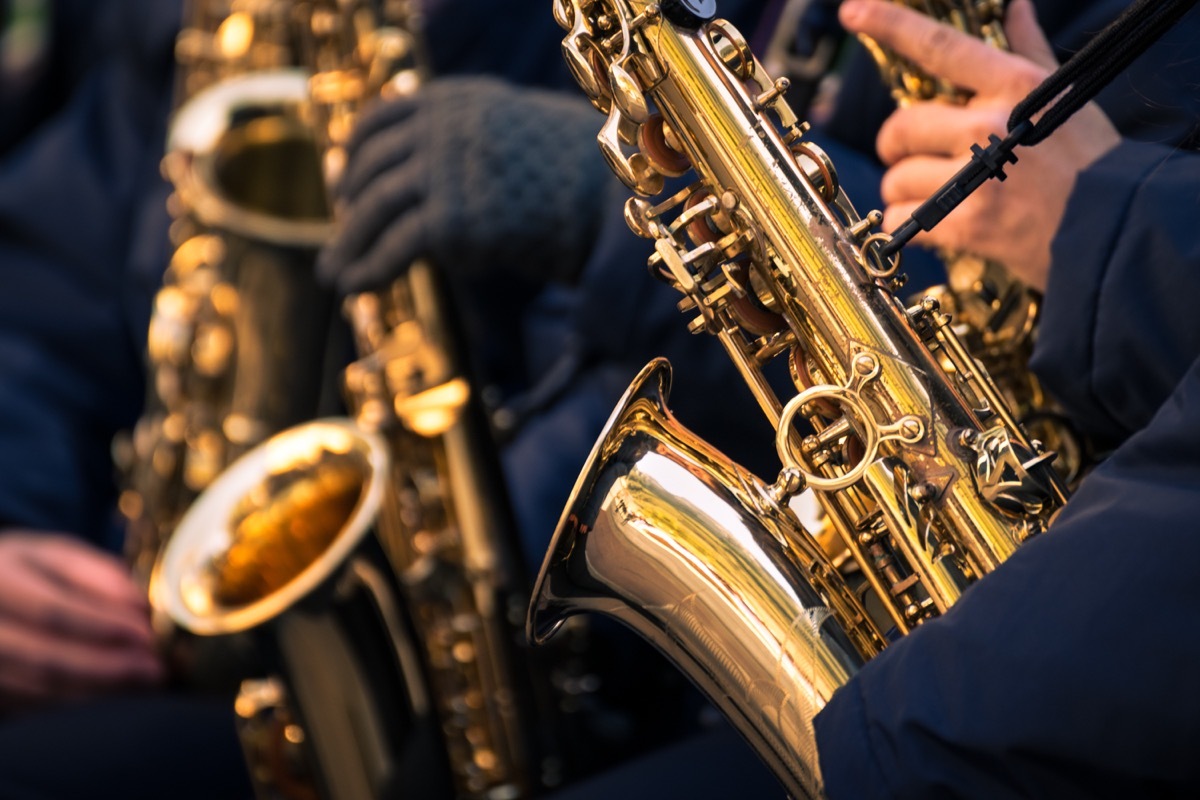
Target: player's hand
pixel 1013 222
pixel 72 622
pixel 474 173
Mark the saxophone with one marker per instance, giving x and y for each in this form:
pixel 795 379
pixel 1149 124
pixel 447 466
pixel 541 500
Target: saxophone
pixel 920 468
pixel 446 526
pixel 371 560
pixel 995 314
pixel 239 317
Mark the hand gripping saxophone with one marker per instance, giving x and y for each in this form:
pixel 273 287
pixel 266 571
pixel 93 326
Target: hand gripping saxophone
pixel 371 559
pixel 908 445
pixel 995 314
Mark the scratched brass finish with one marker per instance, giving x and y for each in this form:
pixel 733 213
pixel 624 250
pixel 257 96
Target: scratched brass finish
pixel 909 446
pixel 993 313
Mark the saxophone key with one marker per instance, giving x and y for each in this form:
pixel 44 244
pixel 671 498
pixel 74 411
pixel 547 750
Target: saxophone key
pixel 661 145
pixel 777 91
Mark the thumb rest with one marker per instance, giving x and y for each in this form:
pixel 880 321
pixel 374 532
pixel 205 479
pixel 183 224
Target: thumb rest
pixel 910 448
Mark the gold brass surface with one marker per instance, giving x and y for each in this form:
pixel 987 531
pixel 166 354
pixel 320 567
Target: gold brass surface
pixel 445 526
pixel 284 524
pixel 909 446
pixel 239 324
pixel 446 530
pixel 699 556
pixel 275 526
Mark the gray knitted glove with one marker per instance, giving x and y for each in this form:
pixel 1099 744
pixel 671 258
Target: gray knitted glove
pixel 474 173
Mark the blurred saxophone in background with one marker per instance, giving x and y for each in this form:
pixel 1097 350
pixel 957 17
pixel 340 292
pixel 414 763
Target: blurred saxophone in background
pixel 994 313
pixel 371 561
pixel 444 524
pixel 238 330
pixel 909 446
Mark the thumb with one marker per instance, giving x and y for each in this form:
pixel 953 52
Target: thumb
pixel 1025 35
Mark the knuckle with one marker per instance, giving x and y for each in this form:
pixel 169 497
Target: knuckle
pixel 972 226
pixel 54 674
pixel 937 42
pixel 56 621
pixel 948 237
pixel 983 126
pixel 969 215
pixel 891 141
pixel 1023 78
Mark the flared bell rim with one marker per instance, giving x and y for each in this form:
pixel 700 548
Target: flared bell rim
pixel 652 383
pixel 202 534
pixel 197 130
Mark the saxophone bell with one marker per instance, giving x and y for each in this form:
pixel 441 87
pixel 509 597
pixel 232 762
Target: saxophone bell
pixel 238 299
pixel 281 547
pixel 697 555
pixel 243 158
pixel 272 529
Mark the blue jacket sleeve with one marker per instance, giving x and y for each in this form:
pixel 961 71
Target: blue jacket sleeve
pixel 70 365
pixel 1122 290
pixel 1069 672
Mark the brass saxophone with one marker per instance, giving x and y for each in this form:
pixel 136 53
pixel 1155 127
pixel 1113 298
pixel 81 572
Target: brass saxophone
pixel 239 326
pixel 922 470
pixel 995 314
pixel 445 524
pixel 372 560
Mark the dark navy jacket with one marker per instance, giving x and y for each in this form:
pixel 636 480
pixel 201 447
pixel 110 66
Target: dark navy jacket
pixel 83 234
pixel 1119 327
pixel 1069 672
pixel 70 371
